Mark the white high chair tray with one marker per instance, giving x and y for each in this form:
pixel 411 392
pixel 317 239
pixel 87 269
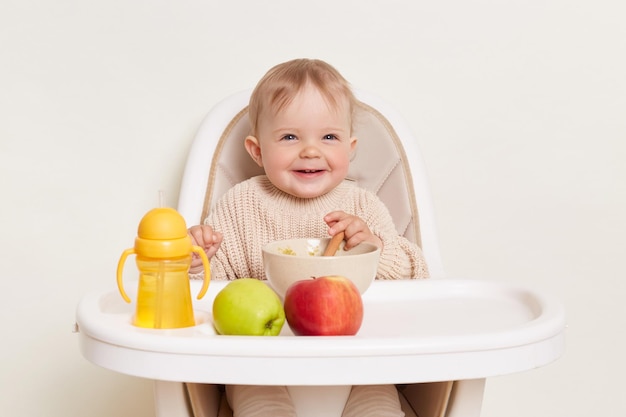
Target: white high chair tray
pixel 413 331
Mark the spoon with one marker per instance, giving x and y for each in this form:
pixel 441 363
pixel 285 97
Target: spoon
pixel 333 245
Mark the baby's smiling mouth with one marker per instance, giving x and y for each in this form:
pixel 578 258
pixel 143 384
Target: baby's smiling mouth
pixel 309 171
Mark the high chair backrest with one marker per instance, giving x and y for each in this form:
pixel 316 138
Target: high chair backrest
pixel 387 162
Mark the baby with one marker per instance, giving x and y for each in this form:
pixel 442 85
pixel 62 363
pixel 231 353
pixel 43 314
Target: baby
pixel 301 115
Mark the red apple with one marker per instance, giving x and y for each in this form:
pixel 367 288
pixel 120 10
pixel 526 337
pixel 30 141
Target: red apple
pixel 324 306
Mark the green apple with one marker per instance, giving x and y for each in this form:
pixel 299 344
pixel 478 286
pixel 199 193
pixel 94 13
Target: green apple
pixel 247 306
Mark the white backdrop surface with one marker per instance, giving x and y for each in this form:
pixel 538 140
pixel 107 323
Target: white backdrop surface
pixel 519 107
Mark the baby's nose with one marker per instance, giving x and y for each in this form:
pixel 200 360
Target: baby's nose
pixel 310 151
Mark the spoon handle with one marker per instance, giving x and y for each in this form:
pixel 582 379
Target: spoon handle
pixel 333 245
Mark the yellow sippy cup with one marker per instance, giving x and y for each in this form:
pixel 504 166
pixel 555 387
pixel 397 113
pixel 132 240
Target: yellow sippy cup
pixel 163 255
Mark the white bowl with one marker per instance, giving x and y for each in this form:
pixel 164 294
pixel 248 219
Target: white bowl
pixel 288 261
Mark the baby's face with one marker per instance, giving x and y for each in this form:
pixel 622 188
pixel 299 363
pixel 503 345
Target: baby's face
pixel 305 148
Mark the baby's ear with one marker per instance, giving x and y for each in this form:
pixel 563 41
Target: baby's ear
pixel 353 142
pixel 254 149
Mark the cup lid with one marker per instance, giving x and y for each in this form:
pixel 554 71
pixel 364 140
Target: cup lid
pixel 162 232
pixel 162 223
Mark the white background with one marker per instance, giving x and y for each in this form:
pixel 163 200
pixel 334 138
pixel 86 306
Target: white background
pixel 519 106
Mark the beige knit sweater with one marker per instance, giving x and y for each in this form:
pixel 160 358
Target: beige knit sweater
pixel 255 212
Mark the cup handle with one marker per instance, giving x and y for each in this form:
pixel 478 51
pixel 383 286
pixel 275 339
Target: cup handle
pixel 120 270
pixel 207 270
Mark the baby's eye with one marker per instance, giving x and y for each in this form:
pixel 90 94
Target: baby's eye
pixel 330 137
pixel 289 137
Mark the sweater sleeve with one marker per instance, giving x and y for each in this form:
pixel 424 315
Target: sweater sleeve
pixel 229 217
pixel 399 258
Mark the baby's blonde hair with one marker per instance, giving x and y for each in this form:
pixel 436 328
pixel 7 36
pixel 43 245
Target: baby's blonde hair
pixel 284 81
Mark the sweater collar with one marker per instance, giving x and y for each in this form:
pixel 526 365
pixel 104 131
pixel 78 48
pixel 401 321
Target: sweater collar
pixel 277 199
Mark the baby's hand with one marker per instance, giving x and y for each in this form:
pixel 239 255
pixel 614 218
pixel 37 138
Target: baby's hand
pixel 354 227
pixel 208 239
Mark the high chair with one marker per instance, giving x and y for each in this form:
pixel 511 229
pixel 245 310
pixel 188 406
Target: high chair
pixel 387 161
pixel 463 331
